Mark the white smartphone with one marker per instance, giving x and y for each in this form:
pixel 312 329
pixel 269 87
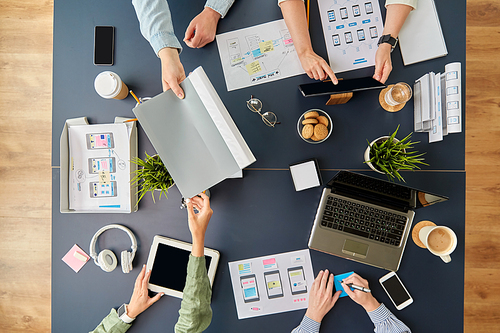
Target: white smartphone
pixel 297 280
pixel 249 288
pixel 396 290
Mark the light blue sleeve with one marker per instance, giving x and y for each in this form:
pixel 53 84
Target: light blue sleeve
pixel 220 6
pixel 386 322
pixel 156 24
pixel 307 325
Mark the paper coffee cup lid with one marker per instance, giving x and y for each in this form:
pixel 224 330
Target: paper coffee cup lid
pixel 107 84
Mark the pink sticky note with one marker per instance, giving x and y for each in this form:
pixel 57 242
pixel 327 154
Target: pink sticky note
pixel 76 258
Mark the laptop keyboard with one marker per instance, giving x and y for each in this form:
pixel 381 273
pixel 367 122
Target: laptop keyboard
pixel 360 220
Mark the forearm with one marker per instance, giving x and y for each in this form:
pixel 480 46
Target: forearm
pixel 112 324
pixel 385 322
pixel 220 6
pixel 395 18
pixel 294 13
pixel 195 314
pixel 156 24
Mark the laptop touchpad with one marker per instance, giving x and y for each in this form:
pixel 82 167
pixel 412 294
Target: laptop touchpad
pixel 355 249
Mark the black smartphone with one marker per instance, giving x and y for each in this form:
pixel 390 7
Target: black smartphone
pixel 328 88
pixel 104 45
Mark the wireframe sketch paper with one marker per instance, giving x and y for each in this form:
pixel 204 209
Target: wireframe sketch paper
pixel 352 29
pixel 195 137
pixel 421 37
pixel 258 54
pixel 99 170
pixel 271 284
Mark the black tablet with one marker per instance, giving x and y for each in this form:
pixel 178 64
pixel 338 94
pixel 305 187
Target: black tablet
pixel 344 86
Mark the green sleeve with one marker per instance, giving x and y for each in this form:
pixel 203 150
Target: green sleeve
pixel 112 324
pixel 195 314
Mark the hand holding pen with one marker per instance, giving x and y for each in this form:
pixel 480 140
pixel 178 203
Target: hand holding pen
pixel 362 293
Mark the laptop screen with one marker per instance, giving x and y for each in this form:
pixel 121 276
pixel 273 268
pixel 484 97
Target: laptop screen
pixel 381 192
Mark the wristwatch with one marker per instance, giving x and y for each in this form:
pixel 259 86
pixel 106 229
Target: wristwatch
pixel 389 40
pixel 122 314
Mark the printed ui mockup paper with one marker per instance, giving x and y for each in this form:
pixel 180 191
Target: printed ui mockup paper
pixel 352 29
pixel 272 284
pixel 258 54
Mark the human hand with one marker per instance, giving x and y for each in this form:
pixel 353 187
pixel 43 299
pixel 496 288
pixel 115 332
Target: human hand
pixel 140 300
pixel 383 63
pixel 316 67
pixel 172 72
pixel 320 297
pixel 202 28
pixel 366 300
pixel 198 222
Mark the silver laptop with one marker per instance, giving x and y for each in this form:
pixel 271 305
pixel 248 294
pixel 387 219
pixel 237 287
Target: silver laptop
pixel 366 219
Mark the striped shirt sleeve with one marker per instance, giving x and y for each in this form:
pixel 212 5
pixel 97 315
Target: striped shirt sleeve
pixel 386 322
pixel 307 325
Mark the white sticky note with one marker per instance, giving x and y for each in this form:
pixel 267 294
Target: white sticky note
pixel 304 175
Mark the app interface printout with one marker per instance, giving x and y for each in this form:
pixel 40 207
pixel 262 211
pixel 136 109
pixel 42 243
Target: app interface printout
pixel 273 283
pixel 249 286
pixel 297 280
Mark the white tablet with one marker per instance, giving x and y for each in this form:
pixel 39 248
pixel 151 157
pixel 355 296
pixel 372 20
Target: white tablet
pixel 168 260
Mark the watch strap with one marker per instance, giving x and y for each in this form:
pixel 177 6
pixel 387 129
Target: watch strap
pixel 388 39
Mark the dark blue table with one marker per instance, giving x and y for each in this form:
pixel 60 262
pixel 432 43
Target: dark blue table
pixel 260 214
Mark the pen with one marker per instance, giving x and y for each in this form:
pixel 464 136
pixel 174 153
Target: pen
pixel 353 286
pixel 126 121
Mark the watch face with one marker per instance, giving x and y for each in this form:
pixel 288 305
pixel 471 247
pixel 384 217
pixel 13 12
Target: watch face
pixel 121 310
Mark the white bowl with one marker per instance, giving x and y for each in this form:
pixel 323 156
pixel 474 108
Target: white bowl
pixel 321 113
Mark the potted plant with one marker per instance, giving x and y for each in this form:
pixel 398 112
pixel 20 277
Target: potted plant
pixel 388 155
pixel 152 176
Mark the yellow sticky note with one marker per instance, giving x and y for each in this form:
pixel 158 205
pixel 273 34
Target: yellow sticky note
pixel 253 67
pixel 104 177
pixel 266 46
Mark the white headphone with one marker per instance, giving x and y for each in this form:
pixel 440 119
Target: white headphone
pixel 106 258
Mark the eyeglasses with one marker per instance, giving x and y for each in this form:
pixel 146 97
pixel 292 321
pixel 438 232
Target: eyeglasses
pixel 255 105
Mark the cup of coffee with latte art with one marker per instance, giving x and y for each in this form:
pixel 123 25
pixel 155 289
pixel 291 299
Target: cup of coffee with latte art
pixel 439 240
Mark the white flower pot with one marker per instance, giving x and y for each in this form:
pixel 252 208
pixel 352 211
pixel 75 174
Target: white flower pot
pixel 367 153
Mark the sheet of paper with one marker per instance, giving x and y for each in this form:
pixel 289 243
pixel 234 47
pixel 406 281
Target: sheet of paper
pixel 258 54
pixel 304 175
pixel 352 29
pixel 99 167
pixel 271 284
pixel 436 132
pixel 453 93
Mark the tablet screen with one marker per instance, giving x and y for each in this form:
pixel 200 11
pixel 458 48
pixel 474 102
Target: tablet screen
pixel 170 267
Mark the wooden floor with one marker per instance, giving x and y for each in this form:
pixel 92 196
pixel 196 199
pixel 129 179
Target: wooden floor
pixel 25 166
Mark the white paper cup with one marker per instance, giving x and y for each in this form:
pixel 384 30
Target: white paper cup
pixel 109 85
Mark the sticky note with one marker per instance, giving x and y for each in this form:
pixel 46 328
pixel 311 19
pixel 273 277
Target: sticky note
pixel 76 258
pixel 253 67
pixel 245 268
pixel 266 46
pixel 305 175
pixel 269 263
pixel 298 259
pixel 338 285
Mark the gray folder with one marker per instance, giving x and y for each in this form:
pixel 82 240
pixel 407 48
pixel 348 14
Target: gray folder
pixel 191 141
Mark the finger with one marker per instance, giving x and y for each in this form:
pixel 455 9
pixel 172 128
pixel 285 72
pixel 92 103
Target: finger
pixel 154 299
pixel 317 281
pixel 330 73
pixel 190 210
pixel 348 290
pixel 176 89
pixel 324 278
pixel 329 286
pixel 189 32
pixel 205 199
pixel 141 275
pixel 336 297
pixel 385 74
pixel 145 281
pixel 378 72
pixel 310 74
pixel 197 201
